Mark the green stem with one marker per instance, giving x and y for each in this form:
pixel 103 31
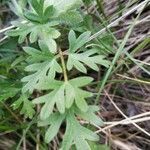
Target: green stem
pixel 117 55
pixel 63 65
pixel 101 8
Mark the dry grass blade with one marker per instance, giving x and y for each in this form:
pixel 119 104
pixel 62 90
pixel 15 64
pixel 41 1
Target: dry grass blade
pixel 126 122
pixel 119 19
pixel 142 130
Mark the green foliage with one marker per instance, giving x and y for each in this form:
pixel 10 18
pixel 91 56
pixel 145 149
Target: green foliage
pixel 61 101
pixel 89 57
pixel 90 115
pixel 7 54
pixel 44 64
pixel 27 106
pixel 66 18
pixel 42 14
pixel 39 23
pixel 75 133
pixel 64 94
pixel 7 89
pixel 54 122
pixel 87 2
pixel 64 5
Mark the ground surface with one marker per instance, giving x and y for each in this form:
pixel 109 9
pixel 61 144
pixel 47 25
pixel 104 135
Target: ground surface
pixel 126 92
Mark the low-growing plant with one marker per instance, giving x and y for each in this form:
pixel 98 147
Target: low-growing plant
pixel 62 100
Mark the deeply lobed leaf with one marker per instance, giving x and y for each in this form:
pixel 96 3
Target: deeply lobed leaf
pixel 89 58
pixel 44 65
pixel 74 134
pixel 64 94
pixel 77 134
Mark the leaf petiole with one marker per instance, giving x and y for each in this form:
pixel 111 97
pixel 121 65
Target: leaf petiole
pixel 63 65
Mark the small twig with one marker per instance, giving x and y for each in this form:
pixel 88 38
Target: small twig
pixel 126 116
pixel 126 122
pixel 4 38
pixel 5 29
pixel 10 27
pixel 119 122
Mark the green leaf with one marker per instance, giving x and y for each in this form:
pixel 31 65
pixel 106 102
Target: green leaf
pixel 79 42
pixel 15 32
pixel 77 134
pixel 38 6
pixel 8 89
pixel 22 32
pixel 54 126
pixel 87 2
pixel 64 5
pixel 52 45
pixel 40 31
pixel 71 18
pixel 43 46
pixel 80 101
pixel 32 17
pixel 71 38
pixel 49 11
pixel 70 95
pixel 88 59
pixel 33 36
pixel 49 35
pixel 63 94
pixel 60 99
pixel 77 64
pixel 81 144
pixel 43 70
pixel 55 97
pixel 16 7
pixel 44 65
pixel 17 61
pixel 81 95
pixel 48 83
pixel 90 115
pixel 22 38
pixel 37 55
pixel 81 81
pixel 49 101
pixel 54 122
pixel 42 15
pixel 27 106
